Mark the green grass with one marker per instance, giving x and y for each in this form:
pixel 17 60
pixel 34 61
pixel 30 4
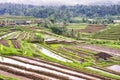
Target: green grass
pixel 116 77
pixel 6 78
pixel 76 26
pixel 55 45
pixel 112 46
pixel 111 33
pixel 8 51
pixel 25 49
pixel 107 43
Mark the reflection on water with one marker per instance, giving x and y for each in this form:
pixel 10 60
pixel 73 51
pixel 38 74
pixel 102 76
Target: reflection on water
pixel 51 54
pixel 114 68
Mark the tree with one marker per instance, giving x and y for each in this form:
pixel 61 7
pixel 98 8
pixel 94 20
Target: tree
pixel 59 30
pixel 79 36
pixel 60 14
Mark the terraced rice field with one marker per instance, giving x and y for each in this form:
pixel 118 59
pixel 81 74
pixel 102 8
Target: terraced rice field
pixel 115 52
pixel 50 54
pixel 25 35
pixel 112 33
pixel 6 35
pixel 110 69
pixel 36 69
pixel 5 73
pixel 15 43
pixel 20 36
pixel 102 71
pixel 14 36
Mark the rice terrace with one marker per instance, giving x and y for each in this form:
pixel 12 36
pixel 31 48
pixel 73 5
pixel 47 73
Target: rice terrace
pixel 59 42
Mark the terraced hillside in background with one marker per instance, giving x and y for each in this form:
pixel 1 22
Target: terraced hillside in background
pixel 112 33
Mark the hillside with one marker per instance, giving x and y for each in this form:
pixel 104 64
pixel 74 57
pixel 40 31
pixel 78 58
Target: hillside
pixel 112 33
pixel 61 12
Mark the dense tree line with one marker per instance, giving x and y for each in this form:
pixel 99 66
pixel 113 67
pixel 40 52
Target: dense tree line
pixel 59 13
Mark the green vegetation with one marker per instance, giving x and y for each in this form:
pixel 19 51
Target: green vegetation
pixel 70 55
pixel 8 51
pixel 108 75
pixel 112 33
pixel 76 26
pixel 60 31
pixel 38 38
pixel 25 49
pixel 6 78
pixel 64 13
pixel 108 43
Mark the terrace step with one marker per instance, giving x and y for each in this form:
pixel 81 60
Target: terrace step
pixel 5 73
pixel 53 67
pixel 31 75
pixel 40 70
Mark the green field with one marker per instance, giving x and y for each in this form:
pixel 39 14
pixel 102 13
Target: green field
pixel 76 26
pixel 6 78
pixel 111 33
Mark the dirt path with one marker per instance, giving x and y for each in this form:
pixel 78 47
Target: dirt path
pixel 13 75
pixel 96 48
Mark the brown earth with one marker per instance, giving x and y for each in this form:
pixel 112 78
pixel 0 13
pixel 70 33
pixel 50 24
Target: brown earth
pixel 13 75
pixel 92 28
pixel 4 42
pixel 96 48
pixel 16 44
pixel 73 51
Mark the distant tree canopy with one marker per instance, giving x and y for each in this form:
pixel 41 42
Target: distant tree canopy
pixel 58 30
pixel 59 13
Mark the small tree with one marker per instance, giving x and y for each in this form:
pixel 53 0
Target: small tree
pixel 79 36
pixel 39 38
